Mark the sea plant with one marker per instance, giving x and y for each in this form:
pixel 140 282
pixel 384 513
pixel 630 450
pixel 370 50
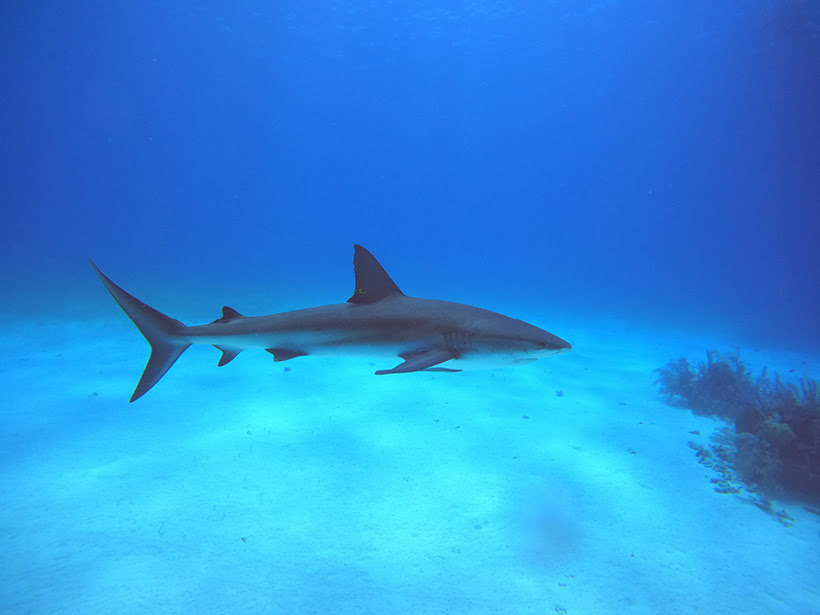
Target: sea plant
pixel 721 386
pixel 777 424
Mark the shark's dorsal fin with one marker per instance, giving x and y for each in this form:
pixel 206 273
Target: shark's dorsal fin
pixel 228 314
pixel 372 282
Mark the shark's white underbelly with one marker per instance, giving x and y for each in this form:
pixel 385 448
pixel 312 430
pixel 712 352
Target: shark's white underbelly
pixel 339 343
pixel 325 343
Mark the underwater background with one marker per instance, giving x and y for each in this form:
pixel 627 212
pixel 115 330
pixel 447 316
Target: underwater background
pixel 643 159
pixel 641 178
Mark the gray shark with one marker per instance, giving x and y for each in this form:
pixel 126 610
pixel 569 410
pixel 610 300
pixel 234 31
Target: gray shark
pixel 378 319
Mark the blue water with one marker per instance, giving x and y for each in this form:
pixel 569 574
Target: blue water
pixel 635 160
pixel 647 159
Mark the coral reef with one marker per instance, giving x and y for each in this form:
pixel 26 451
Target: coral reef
pixel 721 386
pixel 721 457
pixel 777 424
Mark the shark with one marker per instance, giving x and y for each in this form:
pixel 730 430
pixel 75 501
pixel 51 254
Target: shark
pixel 377 320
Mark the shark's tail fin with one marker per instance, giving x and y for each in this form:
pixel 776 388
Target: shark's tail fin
pixel 163 333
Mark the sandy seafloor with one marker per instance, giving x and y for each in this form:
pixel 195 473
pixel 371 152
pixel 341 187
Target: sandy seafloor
pixel 326 489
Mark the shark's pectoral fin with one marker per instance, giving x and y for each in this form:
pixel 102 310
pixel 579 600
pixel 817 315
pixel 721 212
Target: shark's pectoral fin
pixel 283 354
pixel 420 361
pixel 228 354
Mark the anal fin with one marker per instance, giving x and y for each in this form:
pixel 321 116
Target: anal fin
pixel 228 354
pixel 284 354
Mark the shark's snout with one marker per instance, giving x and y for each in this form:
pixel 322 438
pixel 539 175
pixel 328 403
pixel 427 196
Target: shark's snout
pixel 554 344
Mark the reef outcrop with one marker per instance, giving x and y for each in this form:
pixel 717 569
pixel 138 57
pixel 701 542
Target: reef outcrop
pixel 776 423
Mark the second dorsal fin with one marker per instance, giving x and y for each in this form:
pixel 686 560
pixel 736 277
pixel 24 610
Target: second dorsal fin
pixel 372 282
pixel 228 314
